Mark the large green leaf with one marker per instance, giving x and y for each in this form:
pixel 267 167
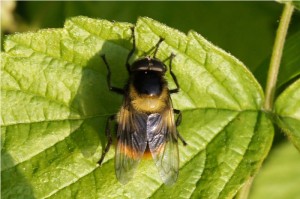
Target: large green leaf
pixel 287 108
pixel 279 176
pixel 55 103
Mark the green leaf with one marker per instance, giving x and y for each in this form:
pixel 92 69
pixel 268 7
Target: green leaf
pixel 289 68
pixel 287 108
pixel 279 176
pixel 55 104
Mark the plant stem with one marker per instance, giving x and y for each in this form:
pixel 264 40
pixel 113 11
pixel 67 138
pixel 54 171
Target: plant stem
pixel 276 55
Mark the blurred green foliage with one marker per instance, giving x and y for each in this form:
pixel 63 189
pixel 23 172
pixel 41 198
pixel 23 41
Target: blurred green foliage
pixel 245 29
pixel 279 176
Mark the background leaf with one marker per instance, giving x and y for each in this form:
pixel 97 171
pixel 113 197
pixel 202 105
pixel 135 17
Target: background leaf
pixel 287 107
pixel 56 103
pixel 289 69
pixel 278 177
pixel 250 38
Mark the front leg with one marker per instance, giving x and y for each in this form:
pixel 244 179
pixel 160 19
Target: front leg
pixel 111 88
pixel 176 90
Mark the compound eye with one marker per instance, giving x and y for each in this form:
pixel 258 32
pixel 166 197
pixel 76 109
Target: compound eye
pixel 148 82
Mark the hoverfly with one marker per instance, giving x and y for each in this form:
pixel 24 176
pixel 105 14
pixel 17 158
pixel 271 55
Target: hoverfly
pixel 145 121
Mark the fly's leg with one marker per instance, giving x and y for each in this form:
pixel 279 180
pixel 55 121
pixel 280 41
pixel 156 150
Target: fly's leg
pixel 131 52
pixel 179 117
pixel 176 90
pixel 109 138
pixel 109 119
pixel 110 87
pixel 157 46
pixel 178 121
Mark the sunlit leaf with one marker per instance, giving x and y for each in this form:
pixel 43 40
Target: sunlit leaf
pixel 55 103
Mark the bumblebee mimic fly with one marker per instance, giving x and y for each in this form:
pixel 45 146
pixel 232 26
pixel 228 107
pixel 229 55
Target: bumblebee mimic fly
pixel 145 121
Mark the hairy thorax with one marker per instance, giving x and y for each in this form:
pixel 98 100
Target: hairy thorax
pixel 149 104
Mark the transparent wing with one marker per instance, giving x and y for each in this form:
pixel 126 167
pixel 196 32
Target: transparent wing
pixel 131 143
pixel 162 140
